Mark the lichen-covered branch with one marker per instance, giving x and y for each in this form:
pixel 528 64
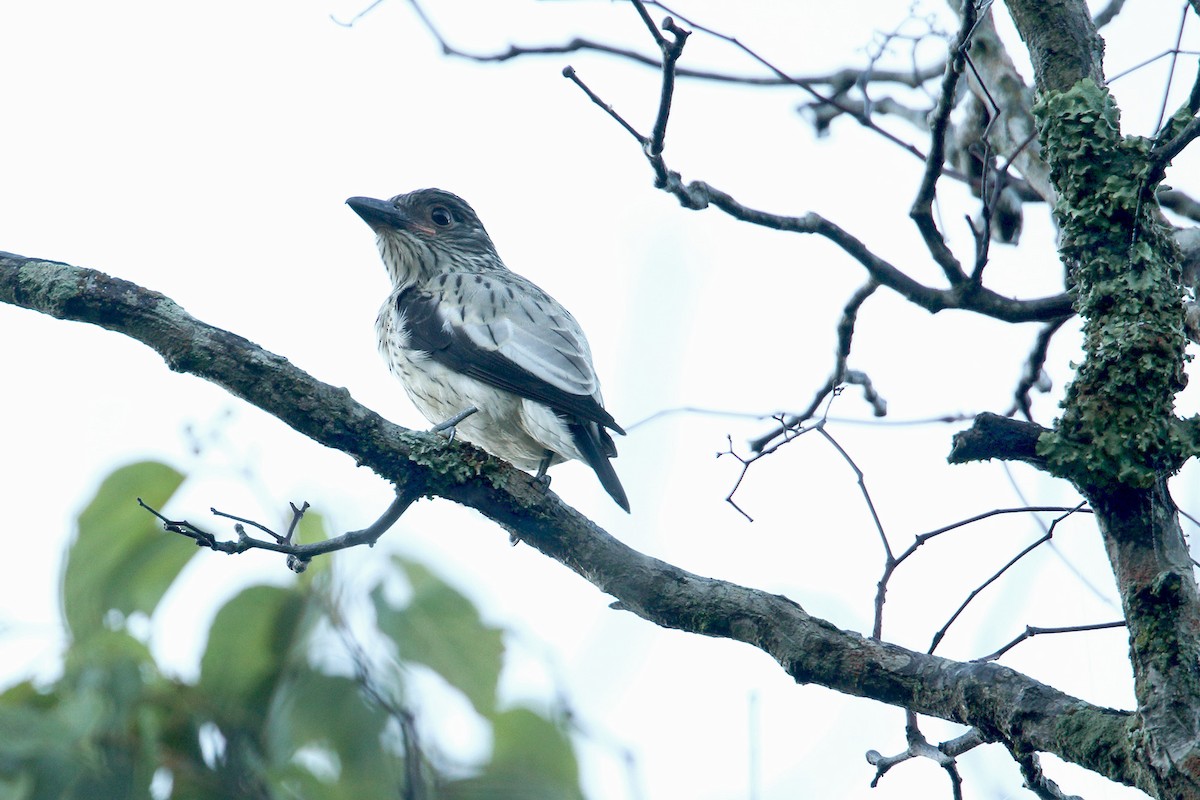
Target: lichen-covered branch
pixel 1004 705
pixel 1118 439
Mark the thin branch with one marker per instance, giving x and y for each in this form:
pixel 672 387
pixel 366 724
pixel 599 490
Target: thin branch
pixel 1108 13
pixel 1032 631
pixel 1162 109
pixel 922 207
pixel 837 81
pixel 698 195
pixel 1036 780
pixel 350 23
pixel 1033 376
pixel 1173 137
pixel 748 461
pixel 1162 154
pixel 839 375
pixel 943 754
pixel 892 564
pixel 298 554
pixel 862 119
pixel 965 296
pixel 1179 202
pixel 1066 562
pixel 671 51
pixel 943 419
pixel 570 74
pixel 937 637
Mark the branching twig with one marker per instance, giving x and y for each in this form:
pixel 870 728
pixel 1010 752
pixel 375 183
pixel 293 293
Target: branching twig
pixel 943 754
pixel 937 637
pixel 1173 137
pixel 922 207
pixel 698 195
pixel 837 81
pixel 839 375
pixel 747 461
pixel 298 554
pixel 890 566
pixel 863 119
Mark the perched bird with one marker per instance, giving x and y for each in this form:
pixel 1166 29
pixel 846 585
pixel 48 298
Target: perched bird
pixel 462 331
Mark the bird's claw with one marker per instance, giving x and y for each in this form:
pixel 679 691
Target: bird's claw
pixel 449 428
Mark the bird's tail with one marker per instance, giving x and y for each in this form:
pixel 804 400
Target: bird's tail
pixel 597 448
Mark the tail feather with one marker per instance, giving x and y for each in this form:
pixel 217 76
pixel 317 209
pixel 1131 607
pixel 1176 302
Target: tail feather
pixel 597 448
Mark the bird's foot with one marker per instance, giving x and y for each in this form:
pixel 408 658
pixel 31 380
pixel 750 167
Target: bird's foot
pixel 542 480
pixel 449 427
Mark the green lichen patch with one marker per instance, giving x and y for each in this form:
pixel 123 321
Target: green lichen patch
pixel 1118 422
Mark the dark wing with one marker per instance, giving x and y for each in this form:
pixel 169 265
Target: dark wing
pixel 512 337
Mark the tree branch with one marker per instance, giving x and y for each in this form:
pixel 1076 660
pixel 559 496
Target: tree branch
pixel 1003 704
pixel 993 436
pixel 837 81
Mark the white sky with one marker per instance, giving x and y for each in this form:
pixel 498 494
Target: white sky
pixel 205 151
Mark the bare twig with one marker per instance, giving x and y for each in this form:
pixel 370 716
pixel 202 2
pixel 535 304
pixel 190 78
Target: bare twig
pixel 937 637
pixel 863 119
pixel 1108 13
pixel 747 461
pixel 862 487
pixel 1032 631
pixel 1033 376
pixel 922 207
pixel 698 195
pixel 943 754
pixel 569 73
pixel 890 566
pixel 1179 202
pixel 298 554
pixel 839 375
pixel 837 81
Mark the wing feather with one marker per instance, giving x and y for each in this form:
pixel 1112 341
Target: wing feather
pixel 522 342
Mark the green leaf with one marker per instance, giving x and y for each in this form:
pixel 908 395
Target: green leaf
pixel 441 629
pixel 248 649
pixel 121 558
pixel 532 759
pixel 329 712
pixel 529 742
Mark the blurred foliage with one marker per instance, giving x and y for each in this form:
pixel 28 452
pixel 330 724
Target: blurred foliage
pixel 264 720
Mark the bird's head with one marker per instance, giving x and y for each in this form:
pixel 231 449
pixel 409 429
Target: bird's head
pixel 425 232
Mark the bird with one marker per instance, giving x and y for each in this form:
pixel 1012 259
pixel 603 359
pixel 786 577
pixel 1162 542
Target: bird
pixel 480 349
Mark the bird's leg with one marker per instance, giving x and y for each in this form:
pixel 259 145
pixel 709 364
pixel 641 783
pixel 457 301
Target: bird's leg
pixel 450 424
pixel 542 479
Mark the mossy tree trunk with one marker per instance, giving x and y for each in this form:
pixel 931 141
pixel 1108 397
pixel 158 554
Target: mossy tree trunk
pixel 1118 439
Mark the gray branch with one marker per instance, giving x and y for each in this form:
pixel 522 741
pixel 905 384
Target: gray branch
pixel 1004 705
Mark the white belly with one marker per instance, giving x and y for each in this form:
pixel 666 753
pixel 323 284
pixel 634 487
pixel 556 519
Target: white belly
pixel 518 430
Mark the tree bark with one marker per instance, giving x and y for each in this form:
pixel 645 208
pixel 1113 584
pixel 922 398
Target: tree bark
pixel 1004 705
pixel 1118 439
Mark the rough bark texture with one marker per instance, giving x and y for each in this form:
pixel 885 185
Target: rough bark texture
pixel 1118 439
pixel 1003 704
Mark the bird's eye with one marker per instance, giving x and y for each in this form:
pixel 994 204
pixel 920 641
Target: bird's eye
pixel 441 216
